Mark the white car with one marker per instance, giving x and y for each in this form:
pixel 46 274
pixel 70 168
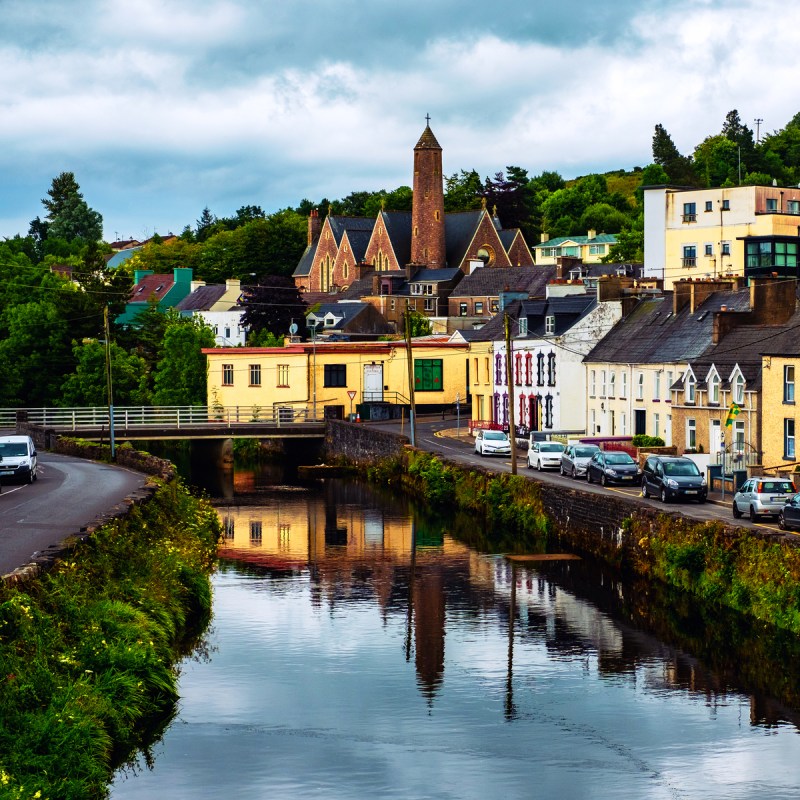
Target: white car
pixel 545 455
pixel 492 443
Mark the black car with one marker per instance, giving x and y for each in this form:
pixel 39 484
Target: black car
pixel 671 478
pixel 613 467
pixel 789 516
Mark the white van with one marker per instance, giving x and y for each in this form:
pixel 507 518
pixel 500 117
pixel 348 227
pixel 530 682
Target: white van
pixel 18 455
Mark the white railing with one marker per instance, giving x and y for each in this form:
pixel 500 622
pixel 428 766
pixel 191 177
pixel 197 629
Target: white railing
pixel 162 416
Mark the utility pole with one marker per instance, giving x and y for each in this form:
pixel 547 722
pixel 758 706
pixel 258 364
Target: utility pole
pixel 758 122
pixel 412 417
pixel 512 432
pixel 109 386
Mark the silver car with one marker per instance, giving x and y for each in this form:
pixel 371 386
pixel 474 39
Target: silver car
pixel 492 443
pixel 576 458
pixel 763 497
pixel 545 455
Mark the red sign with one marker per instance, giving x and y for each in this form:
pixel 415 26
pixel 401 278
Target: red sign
pixel 351 394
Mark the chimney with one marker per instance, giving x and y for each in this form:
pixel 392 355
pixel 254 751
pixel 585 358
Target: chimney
pixel 613 287
pixel 544 236
pixel 411 270
pixel 592 234
pixel 359 270
pixel 233 285
pixel 196 284
pixel 772 299
pixel 376 285
pixel 695 293
pixel 314 226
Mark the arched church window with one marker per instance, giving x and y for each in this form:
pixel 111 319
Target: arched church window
pixel 486 254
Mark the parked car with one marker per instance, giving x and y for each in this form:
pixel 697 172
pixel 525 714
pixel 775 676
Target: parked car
pixel 613 467
pixel 492 443
pixel 789 516
pixel 576 457
pixel 673 477
pixel 18 460
pixel 544 455
pixel 763 497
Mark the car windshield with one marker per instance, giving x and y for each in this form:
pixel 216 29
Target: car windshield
pixel 551 447
pixel 13 449
pixel 585 452
pixel 494 435
pixel 680 468
pixel 771 487
pixel 618 458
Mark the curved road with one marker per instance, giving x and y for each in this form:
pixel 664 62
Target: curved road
pixel 69 494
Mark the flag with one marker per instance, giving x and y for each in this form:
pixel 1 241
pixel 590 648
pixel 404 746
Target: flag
pixel 733 411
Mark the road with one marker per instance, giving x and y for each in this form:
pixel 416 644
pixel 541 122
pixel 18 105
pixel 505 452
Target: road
pixel 462 450
pixel 70 493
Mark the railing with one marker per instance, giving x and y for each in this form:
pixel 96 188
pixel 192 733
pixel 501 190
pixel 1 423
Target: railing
pixel 689 261
pixel 162 416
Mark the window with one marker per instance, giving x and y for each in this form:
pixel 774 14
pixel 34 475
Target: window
pixel 592 422
pixel 255 374
pixel 788 438
pixel 793 206
pixel 548 411
pixel 549 325
pixel 689 255
pixel 689 212
pixel 709 205
pixel 657 385
pixel 770 254
pixel 597 249
pixel 592 383
pixel 713 389
pixel 227 374
pixel 522 322
pixel 640 386
pixel 540 369
pixel 518 369
pixel 738 436
pixel 391 304
pixel 494 306
pixel 430 304
pixel 603 386
pixel 623 424
pixel 709 249
pixel 738 389
pixel 229 527
pixel 691 434
pixel 283 375
pixel 478 307
pixel 656 425
pixel 462 309
pixel 255 531
pixel 726 205
pixel 528 369
pixel 551 369
pixel 498 369
pixel 486 254
pixel 612 384
pixel 726 248
pixel 788 383
pixel 772 204
pixel 669 386
pixel 335 375
pixel 487 370
pixel 428 375
pixel 623 392
pixel 691 386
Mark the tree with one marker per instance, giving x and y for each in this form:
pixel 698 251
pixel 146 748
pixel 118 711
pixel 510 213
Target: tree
pixel 205 225
pixel 630 245
pixel 76 220
pixel 716 161
pixel 63 188
pixel 513 197
pixel 88 385
pixel 603 218
pixel 463 191
pixel 272 305
pixel 677 166
pixel 420 324
pixel 652 175
pixel 180 377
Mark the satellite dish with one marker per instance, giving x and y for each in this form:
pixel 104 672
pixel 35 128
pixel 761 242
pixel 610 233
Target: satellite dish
pixel 293 328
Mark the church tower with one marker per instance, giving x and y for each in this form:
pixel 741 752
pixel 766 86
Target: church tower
pixel 427 212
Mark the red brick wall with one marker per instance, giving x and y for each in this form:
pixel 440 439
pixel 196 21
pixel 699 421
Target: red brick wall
pixel 427 215
pixel 380 243
pixel 519 255
pixel 486 235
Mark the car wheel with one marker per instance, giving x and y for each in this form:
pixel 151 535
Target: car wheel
pixel 539 465
pixel 664 496
pixel 574 474
pixel 561 469
pixel 782 522
pixel 753 514
pixel 736 513
pixel 604 480
pixel 644 488
pixel 701 499
pixel 588 476
pixel 36 475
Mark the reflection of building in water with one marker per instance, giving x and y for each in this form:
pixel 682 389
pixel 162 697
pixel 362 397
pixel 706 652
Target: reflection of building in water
pixel 429 617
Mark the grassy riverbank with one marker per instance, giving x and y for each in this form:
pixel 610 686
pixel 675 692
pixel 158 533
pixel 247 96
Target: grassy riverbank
pixel 87 651
pixel 720 565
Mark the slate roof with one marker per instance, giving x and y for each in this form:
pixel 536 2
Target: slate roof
pixel 341 224
pixel 652 334
pixel 358 243
pixel 398 229
pixel 426 275
pixel 152 286
pixel 490 281
pixel 303 267
pixel 345 313
pixel 459 229
pixel 202 298
pixel 428 141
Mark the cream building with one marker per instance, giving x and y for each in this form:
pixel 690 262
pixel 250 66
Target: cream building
pixel 709 233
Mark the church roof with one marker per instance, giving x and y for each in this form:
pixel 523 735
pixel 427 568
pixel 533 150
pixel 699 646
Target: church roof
pixel 358 243
pixel 341 224
pixel 459 228
pixel 398 229
pixel 303 267
pixel 428 141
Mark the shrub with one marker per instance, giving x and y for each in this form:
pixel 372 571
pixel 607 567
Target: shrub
pixel 642 440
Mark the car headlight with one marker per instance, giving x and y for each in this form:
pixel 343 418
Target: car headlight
pixel 671 483
pixel 638 472
pixel 610 471
pixel 702 481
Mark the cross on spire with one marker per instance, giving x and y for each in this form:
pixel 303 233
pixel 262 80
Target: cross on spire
pixel 428 119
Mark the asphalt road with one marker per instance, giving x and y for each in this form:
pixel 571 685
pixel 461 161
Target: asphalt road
pixel 69 494
pixel 463 451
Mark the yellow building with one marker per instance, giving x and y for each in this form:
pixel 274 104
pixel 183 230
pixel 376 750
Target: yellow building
pixel 699 233
pixel 344 374
pixel 780 418
pixel 590 249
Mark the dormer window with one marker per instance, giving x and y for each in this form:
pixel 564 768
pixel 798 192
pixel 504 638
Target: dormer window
pixel 691 387
pixel 329 321
pixel 523 326
pixel 549 325
pixel 738 389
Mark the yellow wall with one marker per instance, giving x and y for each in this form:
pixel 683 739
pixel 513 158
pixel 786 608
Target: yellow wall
pixel 289 374
pixel 481 377
pixel 775 411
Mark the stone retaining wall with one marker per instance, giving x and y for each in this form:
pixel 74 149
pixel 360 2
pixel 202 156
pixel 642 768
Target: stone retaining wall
pixel 360 442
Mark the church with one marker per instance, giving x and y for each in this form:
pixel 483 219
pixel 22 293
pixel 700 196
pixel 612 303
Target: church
pixel 343 250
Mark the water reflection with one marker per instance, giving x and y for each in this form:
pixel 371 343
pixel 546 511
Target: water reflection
pixel 361 650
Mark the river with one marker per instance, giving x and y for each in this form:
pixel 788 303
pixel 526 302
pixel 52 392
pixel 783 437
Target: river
pixel 360 649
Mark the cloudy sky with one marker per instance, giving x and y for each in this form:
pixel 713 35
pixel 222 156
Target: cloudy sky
pixel 163 107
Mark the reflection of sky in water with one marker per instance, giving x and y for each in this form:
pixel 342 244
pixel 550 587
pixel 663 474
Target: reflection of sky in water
pixel 357 679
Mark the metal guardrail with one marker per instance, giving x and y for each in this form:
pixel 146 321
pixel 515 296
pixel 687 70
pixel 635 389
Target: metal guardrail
pixel 161 416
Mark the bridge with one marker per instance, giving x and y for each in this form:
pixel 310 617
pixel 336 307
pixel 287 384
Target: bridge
pixel 173 422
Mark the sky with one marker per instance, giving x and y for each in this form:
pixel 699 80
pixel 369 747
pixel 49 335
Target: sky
pixel 164 107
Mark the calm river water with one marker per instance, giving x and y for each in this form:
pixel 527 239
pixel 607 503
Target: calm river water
pixel 360 650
